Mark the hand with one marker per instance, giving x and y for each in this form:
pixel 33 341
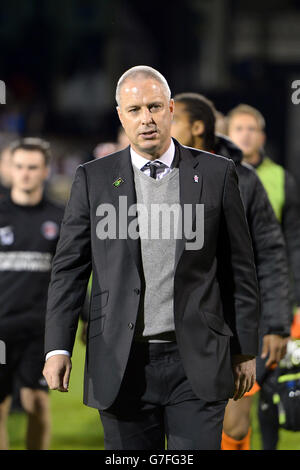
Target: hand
pixel 274 346
pixel 57 371
pixel 244 372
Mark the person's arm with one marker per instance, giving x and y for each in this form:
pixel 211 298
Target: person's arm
pixel 291 231
pixel 240 267
pixel 272 272
pixel 67 290
pixel 57 351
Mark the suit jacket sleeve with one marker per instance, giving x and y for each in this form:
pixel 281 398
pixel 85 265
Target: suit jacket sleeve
pixel 70 270
pixel 237 249
pixel 271 263
pixel 291 230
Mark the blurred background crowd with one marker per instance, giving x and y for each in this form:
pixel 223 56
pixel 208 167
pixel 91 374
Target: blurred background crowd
pixel 61 62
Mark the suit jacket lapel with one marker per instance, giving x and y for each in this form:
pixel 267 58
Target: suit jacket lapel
pixel 126 188
pixel 190 187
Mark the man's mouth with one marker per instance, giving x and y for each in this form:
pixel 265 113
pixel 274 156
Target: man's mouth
pixel 149 134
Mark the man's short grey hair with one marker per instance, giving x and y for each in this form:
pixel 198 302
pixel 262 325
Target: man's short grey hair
pixel 144 71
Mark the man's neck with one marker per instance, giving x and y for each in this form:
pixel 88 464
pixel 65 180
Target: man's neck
pixel 198 143
pixel 253 159
pixel 153 155
pixel 24 198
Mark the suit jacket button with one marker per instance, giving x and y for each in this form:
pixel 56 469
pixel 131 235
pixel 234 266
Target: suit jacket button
pixel 130 325
pixel 137 291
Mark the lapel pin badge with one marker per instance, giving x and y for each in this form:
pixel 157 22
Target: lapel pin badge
pixel 196 179
pixel 118 182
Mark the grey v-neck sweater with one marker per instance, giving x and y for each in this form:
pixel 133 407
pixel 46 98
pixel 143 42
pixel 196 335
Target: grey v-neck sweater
pixel 158 243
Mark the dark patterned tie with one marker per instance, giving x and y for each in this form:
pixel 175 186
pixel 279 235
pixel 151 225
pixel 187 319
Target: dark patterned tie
pixel 154 167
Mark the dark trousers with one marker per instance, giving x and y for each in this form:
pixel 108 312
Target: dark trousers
pixel 156 401
pixel 267 410
pixel 268 421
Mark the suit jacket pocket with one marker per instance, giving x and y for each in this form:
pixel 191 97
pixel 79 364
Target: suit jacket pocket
pixel 217 324
pixel 96 326
pixel 98 303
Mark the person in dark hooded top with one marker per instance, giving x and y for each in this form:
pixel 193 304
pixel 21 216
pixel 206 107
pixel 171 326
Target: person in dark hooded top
pixel 194 126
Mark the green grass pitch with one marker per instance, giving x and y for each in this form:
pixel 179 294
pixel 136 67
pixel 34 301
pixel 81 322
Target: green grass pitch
pixel 77 427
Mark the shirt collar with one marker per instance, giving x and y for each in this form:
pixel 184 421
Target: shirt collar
pixel 167 158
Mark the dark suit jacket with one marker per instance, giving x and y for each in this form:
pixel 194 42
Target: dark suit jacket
pixel 215 287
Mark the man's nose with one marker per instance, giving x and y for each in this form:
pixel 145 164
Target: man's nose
pixel 146 116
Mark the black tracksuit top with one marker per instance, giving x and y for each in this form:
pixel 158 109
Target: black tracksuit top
pixel 28 238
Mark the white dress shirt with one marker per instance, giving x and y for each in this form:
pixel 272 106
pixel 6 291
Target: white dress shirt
pixel 138 161
pixel 167 158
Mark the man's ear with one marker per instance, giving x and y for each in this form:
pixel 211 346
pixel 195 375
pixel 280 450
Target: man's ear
pixel 198 128
pixel 47 172
pixel 263 139
pixel 172 107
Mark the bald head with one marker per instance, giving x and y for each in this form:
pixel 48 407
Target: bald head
pixel 145 111
pixel 142 72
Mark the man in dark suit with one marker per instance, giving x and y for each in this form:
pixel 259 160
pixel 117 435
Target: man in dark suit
pixel 173 319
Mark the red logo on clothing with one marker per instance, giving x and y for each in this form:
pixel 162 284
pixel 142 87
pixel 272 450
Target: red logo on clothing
pixel 50 230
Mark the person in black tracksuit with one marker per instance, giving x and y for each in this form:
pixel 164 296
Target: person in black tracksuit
pixel 275 319
pixel 29 231
pixel 290 223
pixel 246 126
pixel 194 125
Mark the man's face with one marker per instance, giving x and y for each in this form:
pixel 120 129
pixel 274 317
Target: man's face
pixel 28 170
pixel 244 131
pixel 181 126
pixel 146 115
